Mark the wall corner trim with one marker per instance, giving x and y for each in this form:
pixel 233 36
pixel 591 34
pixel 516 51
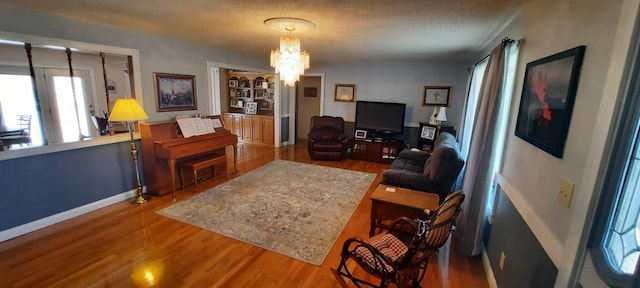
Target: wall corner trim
pixel 491 278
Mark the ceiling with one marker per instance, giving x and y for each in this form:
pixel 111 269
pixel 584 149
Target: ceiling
pixel 345 30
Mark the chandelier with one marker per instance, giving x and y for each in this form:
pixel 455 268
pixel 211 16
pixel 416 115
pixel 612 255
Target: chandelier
pixel 289 61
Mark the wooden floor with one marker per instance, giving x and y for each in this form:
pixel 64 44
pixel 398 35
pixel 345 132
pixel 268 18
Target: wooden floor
pixel 126 245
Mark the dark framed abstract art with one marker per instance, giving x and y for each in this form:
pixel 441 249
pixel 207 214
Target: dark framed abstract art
pixel 548 96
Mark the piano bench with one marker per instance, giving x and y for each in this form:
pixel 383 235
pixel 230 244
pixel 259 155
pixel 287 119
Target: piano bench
pixel 208 161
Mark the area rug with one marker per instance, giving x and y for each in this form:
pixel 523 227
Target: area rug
pixel 291 208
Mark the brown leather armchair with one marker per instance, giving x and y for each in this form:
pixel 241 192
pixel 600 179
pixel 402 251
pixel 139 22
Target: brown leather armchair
pixel 326 139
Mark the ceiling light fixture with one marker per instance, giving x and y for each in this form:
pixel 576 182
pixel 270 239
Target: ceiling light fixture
pixel 289 61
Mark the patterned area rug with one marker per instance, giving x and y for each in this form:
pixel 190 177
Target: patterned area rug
pixel 291 208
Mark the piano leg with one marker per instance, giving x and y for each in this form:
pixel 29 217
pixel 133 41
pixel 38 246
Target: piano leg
pixel 172 168
pixel 235 157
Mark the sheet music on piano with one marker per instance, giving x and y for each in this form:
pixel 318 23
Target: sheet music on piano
pixel 196 126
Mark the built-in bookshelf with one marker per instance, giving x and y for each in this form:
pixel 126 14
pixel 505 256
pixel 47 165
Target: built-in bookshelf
pixel 250 93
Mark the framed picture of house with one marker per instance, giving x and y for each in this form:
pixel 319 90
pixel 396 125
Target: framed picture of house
pixel 345 93
pixel 175 92
pixel 436 95
pixel 428 132
pixel 548 95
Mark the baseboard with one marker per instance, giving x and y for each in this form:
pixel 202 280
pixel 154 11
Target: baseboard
pixel 62 216
pixel 491 278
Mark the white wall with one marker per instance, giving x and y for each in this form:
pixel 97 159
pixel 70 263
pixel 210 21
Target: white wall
pixel 533 175
pixel 157 54
pixel 550 27
pixel 396 81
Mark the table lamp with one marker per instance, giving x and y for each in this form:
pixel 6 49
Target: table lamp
pixel 441 117
pixel 128 110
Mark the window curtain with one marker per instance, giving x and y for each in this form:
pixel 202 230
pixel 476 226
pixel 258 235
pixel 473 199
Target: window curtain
pixel 478 177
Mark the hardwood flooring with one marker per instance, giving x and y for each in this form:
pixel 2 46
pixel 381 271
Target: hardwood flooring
pixel 126 245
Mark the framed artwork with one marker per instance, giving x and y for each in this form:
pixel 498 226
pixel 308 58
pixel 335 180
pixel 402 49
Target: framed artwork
pixel 548 95
pixel 233 83
pixel 436 95
pixel 361 134
pixel 310 92
pixel 345 93
pixel 428 132
pixel 175 92
pixel 252 108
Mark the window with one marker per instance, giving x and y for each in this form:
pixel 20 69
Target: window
pixel 614 243
pixel 510 65
pixel 622 239
pixel 61 117
pixel 16 98
pixel 71 111
pixel 472 103
pixel 67 117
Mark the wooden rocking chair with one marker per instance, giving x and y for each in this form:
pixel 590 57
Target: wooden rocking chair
pixel 401 254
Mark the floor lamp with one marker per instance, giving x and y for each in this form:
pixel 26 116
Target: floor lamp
pixel 128 110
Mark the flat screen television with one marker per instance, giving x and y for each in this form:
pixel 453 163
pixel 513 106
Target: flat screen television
pixel 380 117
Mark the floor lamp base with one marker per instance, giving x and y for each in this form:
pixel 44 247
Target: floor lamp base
pixel 141 198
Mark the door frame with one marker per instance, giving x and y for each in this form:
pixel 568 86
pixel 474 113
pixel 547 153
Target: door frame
pixel 293 108
pixel 213 70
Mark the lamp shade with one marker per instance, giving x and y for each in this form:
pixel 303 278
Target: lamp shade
pixel 442 114
pixel 127 109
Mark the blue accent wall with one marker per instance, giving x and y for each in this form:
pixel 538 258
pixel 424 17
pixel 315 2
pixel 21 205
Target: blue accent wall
pixel 39 186
pixel 526 262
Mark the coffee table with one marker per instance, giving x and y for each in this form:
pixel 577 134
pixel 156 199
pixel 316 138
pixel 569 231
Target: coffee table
pixel 387 205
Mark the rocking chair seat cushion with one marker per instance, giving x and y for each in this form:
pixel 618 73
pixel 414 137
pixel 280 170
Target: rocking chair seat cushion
pixel 388 245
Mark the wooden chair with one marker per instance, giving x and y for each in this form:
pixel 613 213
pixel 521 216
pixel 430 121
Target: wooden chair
pixel 24 137
pixel 401 254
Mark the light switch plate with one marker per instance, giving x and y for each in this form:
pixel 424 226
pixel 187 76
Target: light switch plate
pixel 566 192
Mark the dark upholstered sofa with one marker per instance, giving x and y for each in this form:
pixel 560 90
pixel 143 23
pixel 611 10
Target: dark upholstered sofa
pixel 435 172
pixel 326 139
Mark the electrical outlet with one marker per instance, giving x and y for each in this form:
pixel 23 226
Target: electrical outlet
pixel 566 192
pixel 502 258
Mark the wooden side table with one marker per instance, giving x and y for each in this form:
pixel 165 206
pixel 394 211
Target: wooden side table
pixel 403 202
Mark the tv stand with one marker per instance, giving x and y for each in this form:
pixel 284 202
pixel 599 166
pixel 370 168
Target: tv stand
pixel 383 151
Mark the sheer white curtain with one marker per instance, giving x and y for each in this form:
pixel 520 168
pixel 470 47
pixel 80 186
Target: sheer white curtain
pixel 472 103
pixel 485 144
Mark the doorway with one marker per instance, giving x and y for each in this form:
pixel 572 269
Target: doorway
pixel 309 99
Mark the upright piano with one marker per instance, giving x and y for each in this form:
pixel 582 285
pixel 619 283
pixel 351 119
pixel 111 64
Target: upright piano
pixel 163 147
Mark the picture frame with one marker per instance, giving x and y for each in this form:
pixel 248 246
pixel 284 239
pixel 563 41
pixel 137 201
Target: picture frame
pixel 252 108
pixel 436 96
pixel 547 100
pixel 233 83
pixel 361 134
pixel 428 132
pixel 175 92
pixel 344 93
pixel 310 92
